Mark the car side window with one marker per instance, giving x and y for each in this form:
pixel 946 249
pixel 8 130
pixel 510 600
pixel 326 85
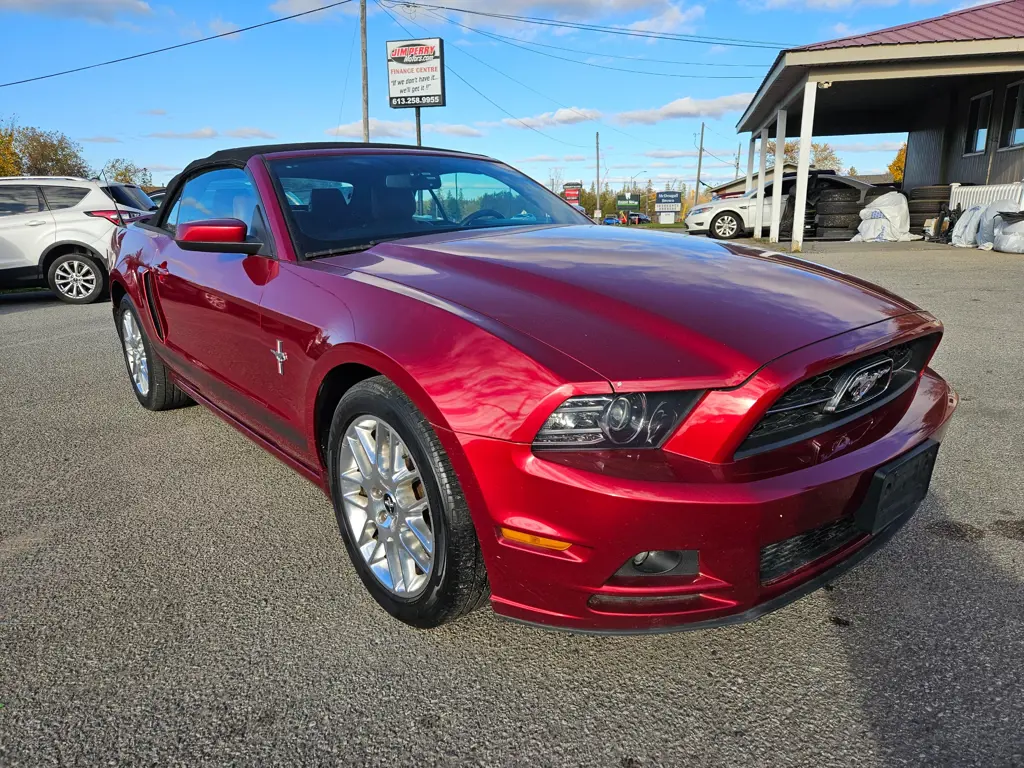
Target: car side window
pixel 223 193
pixel 16 199
pixel 58 198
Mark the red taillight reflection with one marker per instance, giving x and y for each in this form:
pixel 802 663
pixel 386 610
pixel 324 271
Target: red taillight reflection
pixel 116 217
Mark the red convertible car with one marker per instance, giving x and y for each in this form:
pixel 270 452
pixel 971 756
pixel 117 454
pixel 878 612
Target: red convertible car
pixel 598 429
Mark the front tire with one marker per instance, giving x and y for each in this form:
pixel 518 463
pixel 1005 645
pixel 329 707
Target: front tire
pixel 725 226
pixel 76 278
pixel 400 508
pixel 149 376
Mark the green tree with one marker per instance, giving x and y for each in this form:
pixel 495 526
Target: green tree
pixel 10 160
pixel 49 153
pixel 851 171
pixel 127 172
pixel 899 164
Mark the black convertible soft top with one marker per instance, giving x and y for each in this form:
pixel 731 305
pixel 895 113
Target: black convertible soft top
pixel 239 156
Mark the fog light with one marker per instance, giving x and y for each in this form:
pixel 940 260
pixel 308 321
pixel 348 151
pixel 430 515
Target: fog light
pixel 660 562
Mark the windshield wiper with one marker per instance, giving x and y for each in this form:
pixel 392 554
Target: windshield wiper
pixel 341 251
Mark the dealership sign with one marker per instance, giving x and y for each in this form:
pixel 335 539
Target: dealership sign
pixel 416 73
pixel 668 202
pixel 572 191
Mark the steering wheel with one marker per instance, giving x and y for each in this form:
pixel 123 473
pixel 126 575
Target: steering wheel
pixel 483 213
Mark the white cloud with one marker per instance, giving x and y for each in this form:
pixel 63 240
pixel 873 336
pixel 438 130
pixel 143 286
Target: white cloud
pixel 94 10
pixel 563 116
pixel 575 158
pixel 626 166
pixel 687 107
pixel 454 129
pixel 669 153
pixel 250 133
pixel 101 140
pixel 155 112
pixel 881 146
pixel 380 129
pixel 220 27
pixel 162 168
pixel 201 133
pixel 539 159
pixel 822 5
pixel 400 129
pixel 673 18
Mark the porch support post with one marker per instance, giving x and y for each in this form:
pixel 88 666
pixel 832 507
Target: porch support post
pixel 804 163
pixel 759 203
pixel 780 151
pixel 750 162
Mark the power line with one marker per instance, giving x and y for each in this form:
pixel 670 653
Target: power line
pixel 586 118
pixel 601 55
pixel 727 41
pixel 475 89
pixel 506 41
pixel 175 47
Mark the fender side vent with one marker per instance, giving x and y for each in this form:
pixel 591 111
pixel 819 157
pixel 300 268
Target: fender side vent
pixel 154 313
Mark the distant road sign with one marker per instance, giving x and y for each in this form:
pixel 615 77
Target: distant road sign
pixel 668 202
pixel 628 202
pixel 416 73
pixel 573 185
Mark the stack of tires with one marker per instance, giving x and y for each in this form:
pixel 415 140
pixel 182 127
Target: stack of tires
pixel 926 203
pixel 838 212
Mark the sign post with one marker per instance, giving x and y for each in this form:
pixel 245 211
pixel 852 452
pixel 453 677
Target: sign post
pixel 416 76
pixel 667 205
pixel 572 190
pixel 629 202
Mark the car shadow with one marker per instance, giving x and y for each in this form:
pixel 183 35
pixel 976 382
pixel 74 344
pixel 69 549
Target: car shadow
pixel 934 629
pixel 19 301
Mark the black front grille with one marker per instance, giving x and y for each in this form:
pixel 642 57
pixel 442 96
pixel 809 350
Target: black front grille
pixel 801 411
pixel 784 557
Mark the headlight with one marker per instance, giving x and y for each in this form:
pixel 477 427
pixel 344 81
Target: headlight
pixel 635 420
pixel 696 211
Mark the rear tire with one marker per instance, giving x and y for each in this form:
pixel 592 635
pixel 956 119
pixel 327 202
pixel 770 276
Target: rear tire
pixel 76 278
pixel 454 583
pixel 725 226
pixel 838 221
pixel 828 207
pixel 149 377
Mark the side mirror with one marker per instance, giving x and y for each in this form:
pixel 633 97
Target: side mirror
pixel 216 236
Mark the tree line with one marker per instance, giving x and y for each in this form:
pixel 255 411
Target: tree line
pixel 30 151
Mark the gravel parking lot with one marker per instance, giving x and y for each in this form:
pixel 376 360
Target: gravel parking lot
pixel 169 593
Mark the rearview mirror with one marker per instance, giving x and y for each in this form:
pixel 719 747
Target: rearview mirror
pixel 216 236
pixel 415 181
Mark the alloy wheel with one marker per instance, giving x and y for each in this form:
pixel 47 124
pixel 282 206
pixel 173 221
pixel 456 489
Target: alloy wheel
pixel 726 226
pixel 386 506
pixel 135 353
pixel 75 279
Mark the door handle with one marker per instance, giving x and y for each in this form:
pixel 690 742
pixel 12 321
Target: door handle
pixel 35 223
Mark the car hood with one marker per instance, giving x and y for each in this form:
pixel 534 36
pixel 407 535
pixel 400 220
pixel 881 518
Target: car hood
pixel 659 307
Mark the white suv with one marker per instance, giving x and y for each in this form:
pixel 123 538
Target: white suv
pixel 57 231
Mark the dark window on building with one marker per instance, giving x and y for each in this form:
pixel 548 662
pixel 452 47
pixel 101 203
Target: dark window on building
pixel 1011 134
pixel 63 197
pixel 16 200
pixel 977 124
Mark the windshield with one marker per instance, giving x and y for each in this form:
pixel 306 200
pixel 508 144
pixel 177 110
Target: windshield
pixel 344 201
pixel 132 197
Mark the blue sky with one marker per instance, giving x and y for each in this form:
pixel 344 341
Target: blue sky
pixel 299 80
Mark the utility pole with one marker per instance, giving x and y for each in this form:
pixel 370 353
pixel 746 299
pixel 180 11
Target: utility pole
pixel 700 158
pixel 419 132
pixel 597 140
pixel 366 84
pixel 738 150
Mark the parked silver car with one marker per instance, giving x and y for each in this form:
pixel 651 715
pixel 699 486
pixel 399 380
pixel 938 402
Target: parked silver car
pixel 733 217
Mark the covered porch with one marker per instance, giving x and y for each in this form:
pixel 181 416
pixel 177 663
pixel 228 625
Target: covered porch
pixel 905 79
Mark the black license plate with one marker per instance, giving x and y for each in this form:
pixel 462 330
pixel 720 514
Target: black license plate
pixel 897 488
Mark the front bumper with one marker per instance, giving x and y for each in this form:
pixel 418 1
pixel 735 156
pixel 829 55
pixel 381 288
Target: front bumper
pixel 612 507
